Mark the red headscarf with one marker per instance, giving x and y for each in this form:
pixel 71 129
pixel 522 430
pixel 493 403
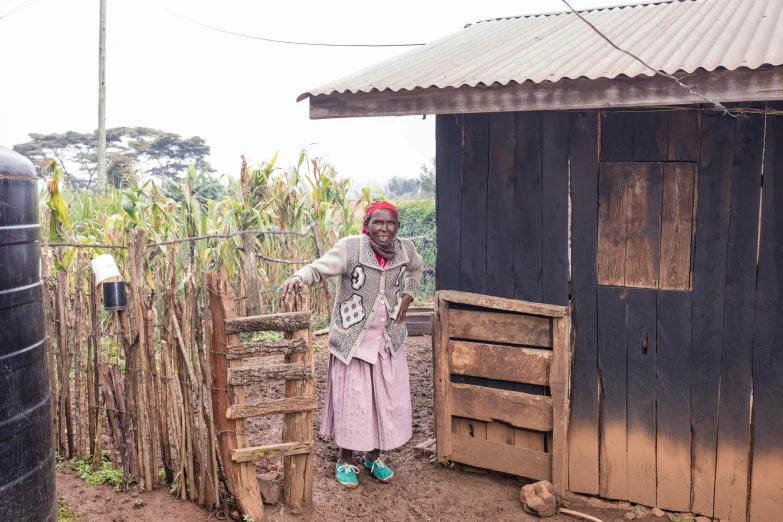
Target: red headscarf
pixel 377 205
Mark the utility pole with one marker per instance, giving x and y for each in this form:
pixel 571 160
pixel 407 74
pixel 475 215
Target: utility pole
pixel 102 99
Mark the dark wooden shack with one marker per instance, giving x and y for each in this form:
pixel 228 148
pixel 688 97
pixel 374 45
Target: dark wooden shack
pixel 570 173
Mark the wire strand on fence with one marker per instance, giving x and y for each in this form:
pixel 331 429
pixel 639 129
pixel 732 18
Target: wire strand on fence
pixel 191 239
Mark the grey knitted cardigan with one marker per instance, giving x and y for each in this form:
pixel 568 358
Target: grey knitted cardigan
pixel 361 285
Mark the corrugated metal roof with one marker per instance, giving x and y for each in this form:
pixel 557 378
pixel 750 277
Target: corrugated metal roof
pixel 680 35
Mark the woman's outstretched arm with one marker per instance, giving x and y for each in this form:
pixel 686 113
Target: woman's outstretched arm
pixel 333 263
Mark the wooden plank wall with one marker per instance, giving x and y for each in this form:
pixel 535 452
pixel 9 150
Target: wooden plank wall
pixel 661 410
pixel 502 204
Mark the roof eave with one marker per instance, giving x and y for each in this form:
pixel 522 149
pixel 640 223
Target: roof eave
pixel 762 84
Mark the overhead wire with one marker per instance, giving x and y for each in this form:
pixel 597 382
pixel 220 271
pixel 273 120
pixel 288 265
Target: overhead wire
pixel 718 105
pixel 16 8
pixel 288 42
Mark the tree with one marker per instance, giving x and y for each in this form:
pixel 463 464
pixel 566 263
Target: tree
pixel 422 187
pixel 162 154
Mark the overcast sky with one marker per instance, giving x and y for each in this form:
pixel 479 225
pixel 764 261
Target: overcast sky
pixel 238 94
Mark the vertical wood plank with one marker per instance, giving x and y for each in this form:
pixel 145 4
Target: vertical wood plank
pixel 529 439
pixel 442 381
pixel 500 433
pixel 649 136
pixel 448 195
pixel 500 206
pixel 583 424
pixel 676 226
pixel 528 254
pixel 500 227
pixel 731 476
pixel 643 225
pixel 612 367
pixel 473 232
pixel 616 136
pixel 478 429
pixel 766 496
pixel 612 207
pixel 709 283
pixel 683 135
pixel 497 431
pixel 558 382
pixel 673 400
pixel 554 206
pixel 641 396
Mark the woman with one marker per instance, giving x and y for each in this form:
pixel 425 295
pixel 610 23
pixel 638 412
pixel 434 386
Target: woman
pixel 368 402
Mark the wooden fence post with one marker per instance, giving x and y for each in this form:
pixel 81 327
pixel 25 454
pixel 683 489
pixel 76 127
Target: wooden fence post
pixel 251 275
pixel 298 427
pixel 327 285
pixel 231 434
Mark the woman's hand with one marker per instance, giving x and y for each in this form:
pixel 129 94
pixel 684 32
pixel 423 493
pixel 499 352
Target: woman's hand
pixel 289 285
pixel 404 304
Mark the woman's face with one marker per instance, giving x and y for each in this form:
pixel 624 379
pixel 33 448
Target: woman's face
pixel 383 227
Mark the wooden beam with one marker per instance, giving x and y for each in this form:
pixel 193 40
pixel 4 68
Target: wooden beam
pixel 265 408
pixel 440 375
pixel 507 363
pixel 502 457
pixel 266 347
pixel 251 374
pixel 522 410
pixel 500 303
pixel 583 422
pixel 503 328
pixel 764 83
pixel 287 322
pixel 273 450
pixel 559 381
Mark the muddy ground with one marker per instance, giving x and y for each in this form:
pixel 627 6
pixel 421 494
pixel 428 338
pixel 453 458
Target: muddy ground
pixel 422 490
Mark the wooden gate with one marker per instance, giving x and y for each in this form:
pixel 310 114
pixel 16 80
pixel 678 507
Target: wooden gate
pixel 515 345
pixel 229 380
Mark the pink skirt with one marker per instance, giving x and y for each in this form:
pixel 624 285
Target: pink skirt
pixel 368 406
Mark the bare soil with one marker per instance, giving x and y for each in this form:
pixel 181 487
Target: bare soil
pixel 422 490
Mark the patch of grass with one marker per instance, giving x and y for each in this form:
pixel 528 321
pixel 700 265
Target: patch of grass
pixel 260 336
pixel 638 508
pixel 105 473
pixel 59 461
pixel 63 513
pixel 681 517
pixel 319 322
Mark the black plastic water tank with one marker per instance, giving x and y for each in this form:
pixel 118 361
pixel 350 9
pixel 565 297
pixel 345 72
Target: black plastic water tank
pixel 27 487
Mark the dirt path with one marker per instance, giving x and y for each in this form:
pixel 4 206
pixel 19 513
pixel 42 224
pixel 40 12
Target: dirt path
pixel 422 490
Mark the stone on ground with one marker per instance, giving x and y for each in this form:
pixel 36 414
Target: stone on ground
pixel 539 498
pixel 630 515
pixel 658 512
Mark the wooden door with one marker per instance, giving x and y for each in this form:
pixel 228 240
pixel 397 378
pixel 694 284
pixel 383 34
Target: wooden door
pixel 508 341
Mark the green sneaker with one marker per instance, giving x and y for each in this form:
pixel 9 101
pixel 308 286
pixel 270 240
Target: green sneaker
pixel 346 475
pixel 379 470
